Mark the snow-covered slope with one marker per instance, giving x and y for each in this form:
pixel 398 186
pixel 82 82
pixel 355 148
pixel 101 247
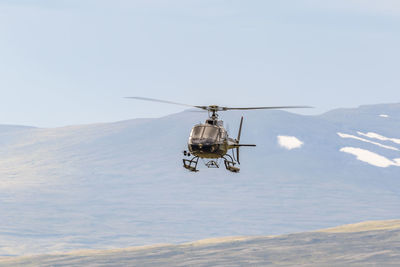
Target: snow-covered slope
pixel 122 184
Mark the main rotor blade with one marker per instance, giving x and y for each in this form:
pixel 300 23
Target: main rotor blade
pixel 196 111
pixel 165 101
pixel 279 107
pixel 212 108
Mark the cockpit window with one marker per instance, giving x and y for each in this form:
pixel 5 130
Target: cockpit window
pixel 211 133
pixel 197 132
pixel 222 134
pixel 205 132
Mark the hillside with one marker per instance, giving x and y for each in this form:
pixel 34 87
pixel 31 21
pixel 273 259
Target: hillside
pixel 364 244
pixel 116 185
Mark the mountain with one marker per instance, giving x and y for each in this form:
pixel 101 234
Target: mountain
pixel 363 244
pixel 121 184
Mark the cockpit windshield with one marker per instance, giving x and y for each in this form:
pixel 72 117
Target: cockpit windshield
pixel 210 133
pixel 197 132
pixel 204 132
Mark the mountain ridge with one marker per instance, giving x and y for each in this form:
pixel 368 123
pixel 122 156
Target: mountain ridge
pixel 394 105
pixel 367 240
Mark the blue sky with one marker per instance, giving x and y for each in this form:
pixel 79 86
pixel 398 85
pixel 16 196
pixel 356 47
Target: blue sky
pixel 71 62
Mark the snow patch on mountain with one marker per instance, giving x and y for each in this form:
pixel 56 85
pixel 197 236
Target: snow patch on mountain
pixel 289 142
pixel 371 157
pixel 379 137
pixel 343 135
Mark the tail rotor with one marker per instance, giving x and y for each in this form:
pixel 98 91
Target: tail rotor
pixel 238 140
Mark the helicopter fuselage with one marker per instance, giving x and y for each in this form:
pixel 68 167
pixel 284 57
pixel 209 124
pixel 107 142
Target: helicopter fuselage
pixel 210 140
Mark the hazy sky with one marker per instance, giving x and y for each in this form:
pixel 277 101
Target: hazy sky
pixel 68 62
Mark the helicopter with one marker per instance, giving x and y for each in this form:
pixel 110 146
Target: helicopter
pixel 210 140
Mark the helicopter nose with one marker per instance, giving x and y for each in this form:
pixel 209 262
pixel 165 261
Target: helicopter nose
pixel 204 147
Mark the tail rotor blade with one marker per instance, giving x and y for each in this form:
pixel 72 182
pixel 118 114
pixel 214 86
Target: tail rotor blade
pixel 238 139
pixel 240 129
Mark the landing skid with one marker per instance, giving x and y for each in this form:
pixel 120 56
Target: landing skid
pixel 191 164
pixel 230 164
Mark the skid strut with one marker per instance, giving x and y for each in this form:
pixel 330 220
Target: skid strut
pixel 191 164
